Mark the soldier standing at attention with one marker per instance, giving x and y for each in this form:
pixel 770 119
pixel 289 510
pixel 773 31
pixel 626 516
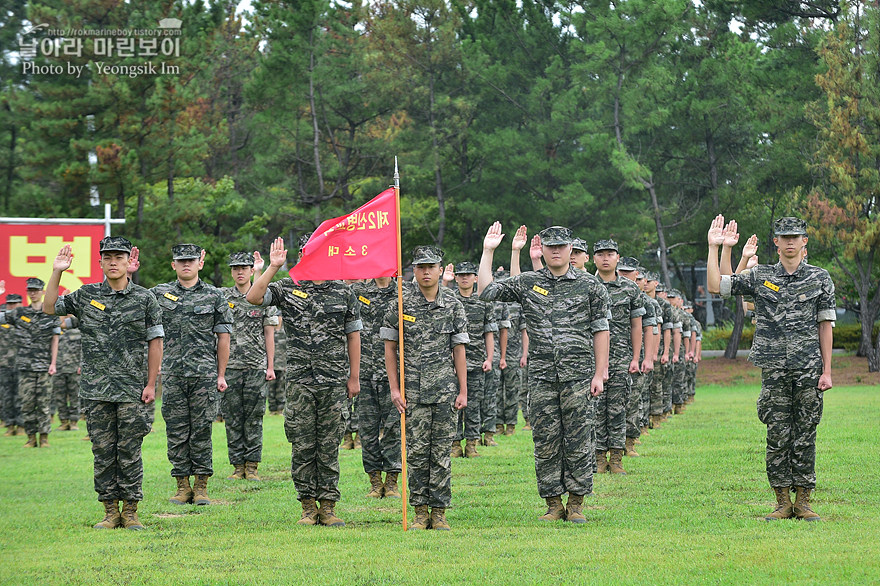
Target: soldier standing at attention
pixel 654 289
pixel 198 324
pixel 645 284
pixel 512 364
pixel 796 310
pixel 35 362
pixel 671 350
pixel 277 393
pixel 323 368
pixel 122 332
pixel 679 372
pixel 251 366
pixel 378 420
pixel 65 382
pixel 566 313
pixel 435 331
pixel 10 405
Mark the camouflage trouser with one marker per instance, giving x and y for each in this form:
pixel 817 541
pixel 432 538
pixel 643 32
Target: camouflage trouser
pixel 277 391
pixel 430 428
pixel 470 418
pixel 634 405
pixel 508 396
pixel 117 432
pixel 189 407
pixel 489 403
pixel 35 390
pixel 611 412
pixel 313 425
pixel 669 384
pixel 647 386
pixel 680 383
pixel 657 384
pixel 66 390
pixel 350 415
pixel 524 393
pixel 378 416
pixel 691 379
pixel 244 406
pixel 10 403
pixel 562 418
pixel 790 405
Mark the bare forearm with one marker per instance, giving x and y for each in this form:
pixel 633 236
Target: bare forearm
pixel 636 336
pixel 223 342
pixel 258 290
pixel 354 354
pixel 391 365
pixel 269 335
pixel 713 273
pixel 484 277
pixel 155 348
pixel 826 342
pixel 726 262
pixel 52 292
pixel 601 342
pixel 460 361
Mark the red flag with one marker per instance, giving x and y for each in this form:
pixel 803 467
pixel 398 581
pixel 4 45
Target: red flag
pixel 360 245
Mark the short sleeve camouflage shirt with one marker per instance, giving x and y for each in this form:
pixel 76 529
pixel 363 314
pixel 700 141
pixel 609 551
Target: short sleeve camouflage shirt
pixel 247 349
pixel 481 320
pixel 34 331
pixel 374 303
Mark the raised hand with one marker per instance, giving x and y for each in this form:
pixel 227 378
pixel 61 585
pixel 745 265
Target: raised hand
pixel 731 234
pixel 752 262
pixel 750 248
pixel 716 231
pixel 259 263
pixel 2 287
pixel 202 256
pixel 448 274
pixel 134 262
pixel 520 238
pixel 493 237
pixel 277 253
pixel 535 248
pixel 63 260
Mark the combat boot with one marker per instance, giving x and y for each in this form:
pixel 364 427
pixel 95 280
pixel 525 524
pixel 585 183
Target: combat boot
pixel 422 521
pixel 615 462
pixel 65 425
pixel 438 519
pixel 511 429
pixel 470 449
pixel 656 420
pixel 250 471
pixel 390 490
pixel 309 514
pixel 574 509
pixel 237 473
pixel 112 518
pixel 184 494
pixel 327 516
pixel 130 516
pixel 489 439
pixel 630 448
pixel 377 489
pixel 601 461
pixel 73 426
pixel 783 505
pixel 200 490
pixel 555 510
pixel 10 430
pixel 801 507
pixel 357 441
pixel 347 441
pixel 527 427
pixel 44 440
pixel 456 450
pixel 499 428
pixel 32 441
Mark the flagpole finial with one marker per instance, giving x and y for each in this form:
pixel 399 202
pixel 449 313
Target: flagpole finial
pixel 396 174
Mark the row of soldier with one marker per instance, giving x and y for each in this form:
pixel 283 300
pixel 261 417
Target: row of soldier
pixel 342 343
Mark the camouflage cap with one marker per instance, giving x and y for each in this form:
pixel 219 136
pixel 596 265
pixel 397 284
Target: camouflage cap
pixel 673 293
pixel 13 298
pixel 426 255
pixel 627 263
pixel 186 251
pixel 579 244
pixel 790 226
pixel 607 244
pixel 241 259
pixel 642 274
pixel 652 276
pixel 501 273
pixel 556 236
pixel 661 288
pixel 466 267
pixel 303 240
pixel 115 244
pixel 35 283
pixel 687 305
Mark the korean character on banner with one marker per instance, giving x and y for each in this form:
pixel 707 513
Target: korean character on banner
pixel 170 47
pixel 332 250
pixel 27 49
pixel 148 47
pixel 103 46
pixel 125 47
pixel 350 251
pixel 49 47
pixel 72 47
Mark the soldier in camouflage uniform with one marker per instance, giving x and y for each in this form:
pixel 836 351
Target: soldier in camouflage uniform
pixel 35 362
pixel 65 382
pixel 435 331
pixel 277 391
pixel 691 363
pixel 378 420
pixel 251 365
pixel 323 368
pixel 512 362
pixel 198 324
pixel 645 283
pixel 566 313
pixel 492 384
pixel 679 372
pixel 122 332
pixel 10 405
pixel 671 350
pixel 796 310
pixel 627 309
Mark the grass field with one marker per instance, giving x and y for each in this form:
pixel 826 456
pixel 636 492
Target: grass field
pixel 689 511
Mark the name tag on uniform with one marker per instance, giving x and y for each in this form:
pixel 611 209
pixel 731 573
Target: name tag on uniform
pixel 100 306
pixel 25 319
pixel 300 294
pixel 171 297
pixel 409 318
pixel 771 286
pixel 540 290
pixel 5 326
pixel 363 300
pixel 231 304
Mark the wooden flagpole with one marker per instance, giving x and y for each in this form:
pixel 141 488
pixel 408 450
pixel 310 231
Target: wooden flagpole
pixel 403 483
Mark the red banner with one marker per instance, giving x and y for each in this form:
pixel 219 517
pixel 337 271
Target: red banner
pixel 28 250
pixel 360 245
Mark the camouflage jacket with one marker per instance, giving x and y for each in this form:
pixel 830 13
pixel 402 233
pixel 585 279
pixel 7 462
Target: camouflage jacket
pixel 788 309
pixel 69 351
pixel 374 303
pixel 191 318
pixel 684 319
pixel 699 328
pixel 281 347
pixel 247 348
pixel 502 319
pixel 318 319
pixel 481 320
pixel 430 331
pixel 669 323
pixel 34 331
pixel 649 320
pixel 561 315
pixel 115 326
pixel 8 345
pixel 514 334
pixel 626 304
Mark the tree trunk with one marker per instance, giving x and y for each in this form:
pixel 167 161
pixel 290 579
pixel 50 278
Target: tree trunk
pixel 736 334
pixel 661 237
pixel 874 365
pixel 713 167
pixel 316 139
pixel 438 177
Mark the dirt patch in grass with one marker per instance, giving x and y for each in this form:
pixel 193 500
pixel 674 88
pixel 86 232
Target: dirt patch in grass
pixel 845 371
